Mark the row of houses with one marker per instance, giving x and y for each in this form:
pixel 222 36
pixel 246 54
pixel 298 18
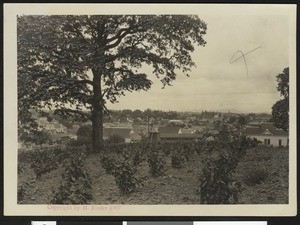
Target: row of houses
pixel 265 132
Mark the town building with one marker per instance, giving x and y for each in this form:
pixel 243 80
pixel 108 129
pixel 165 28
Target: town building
pixel 125 132
pixel 173 134
pixel 52 126
pixel 268 134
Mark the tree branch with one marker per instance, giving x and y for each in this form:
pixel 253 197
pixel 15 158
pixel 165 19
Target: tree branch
pixel 85 82
pixel 119 37
pixel 104 93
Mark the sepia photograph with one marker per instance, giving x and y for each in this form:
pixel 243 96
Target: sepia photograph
pixel 163 108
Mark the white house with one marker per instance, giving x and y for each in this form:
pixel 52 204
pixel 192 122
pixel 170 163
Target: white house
pixel 52 127
pixel 44 124
pixel 269 135
pixel 59 128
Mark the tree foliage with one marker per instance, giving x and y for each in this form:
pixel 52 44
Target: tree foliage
pixel 35 136
pixel 115 139
pixel 72 63
pixel 280 110
pixel 84 134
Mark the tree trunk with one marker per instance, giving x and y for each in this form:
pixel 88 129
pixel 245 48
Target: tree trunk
pixel 97 114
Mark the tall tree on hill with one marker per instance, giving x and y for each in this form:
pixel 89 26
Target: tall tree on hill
pixel 81 62
pixel 280 110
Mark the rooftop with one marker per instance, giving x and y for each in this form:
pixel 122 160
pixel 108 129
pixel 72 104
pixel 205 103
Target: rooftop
pixel 266 129
pixel 121 131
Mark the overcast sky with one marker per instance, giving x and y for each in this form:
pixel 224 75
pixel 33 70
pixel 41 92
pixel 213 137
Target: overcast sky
pixel 218 85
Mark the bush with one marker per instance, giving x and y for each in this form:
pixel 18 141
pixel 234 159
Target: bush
pixel 109 163
pixel 123 169
pixel 43 161
pixel 138 158
pixel 189 151
pixel 124 174
pixel 255 176
pixel 22 192
pixel 20 168
pixel 177 159
pixel 156 164
pixel 216 184
pixel 115 139
pixel 76 187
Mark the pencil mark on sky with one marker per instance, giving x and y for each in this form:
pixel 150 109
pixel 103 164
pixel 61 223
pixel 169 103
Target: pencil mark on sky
pixel 242 55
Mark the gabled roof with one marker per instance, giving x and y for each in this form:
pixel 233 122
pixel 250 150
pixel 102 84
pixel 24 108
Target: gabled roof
pixel 168 130
pixel 187 131
pixel 267 129
pixel 121 131
pixel 181 136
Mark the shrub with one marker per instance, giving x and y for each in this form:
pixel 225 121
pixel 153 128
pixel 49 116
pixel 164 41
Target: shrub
pixel 156 164
pixel 76 187
pixel 22 192
pixel 255 176
pixel 126 180
pixel 138 158
pixel 43 161
pixel 189 150
pixel 48 159
pixel 25 156
pixel 20 168
pixel 123 169
pixel 216 183
pixel 115 139
pixel 177 159
pixel 109 163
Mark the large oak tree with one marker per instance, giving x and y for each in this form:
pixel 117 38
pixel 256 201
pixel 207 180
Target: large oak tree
pixel 73 63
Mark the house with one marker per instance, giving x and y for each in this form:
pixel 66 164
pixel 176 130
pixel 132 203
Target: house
pixel 254 124
pixel 268 134
pixel 173 134
pixel 176 123
pixel 203 122
pixel 187 131
pixel 44 124
pixel 169 130
pixel 75 126
pixel 125 132
pixel 59 128
pixel 52 126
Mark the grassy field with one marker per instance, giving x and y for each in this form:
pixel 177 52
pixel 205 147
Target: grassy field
pixel 263 173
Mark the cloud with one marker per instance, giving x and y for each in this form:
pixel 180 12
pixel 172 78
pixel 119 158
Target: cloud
pixel 218 84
